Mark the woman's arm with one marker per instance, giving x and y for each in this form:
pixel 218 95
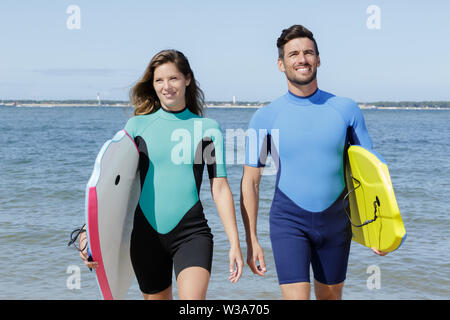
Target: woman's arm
pixel 223 199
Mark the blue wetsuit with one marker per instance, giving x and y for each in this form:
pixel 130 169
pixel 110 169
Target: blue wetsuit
pixel 307 137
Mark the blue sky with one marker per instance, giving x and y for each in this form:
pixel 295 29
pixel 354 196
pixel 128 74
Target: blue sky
pixel 230 45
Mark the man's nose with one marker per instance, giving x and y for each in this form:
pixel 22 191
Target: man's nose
pixel 301 58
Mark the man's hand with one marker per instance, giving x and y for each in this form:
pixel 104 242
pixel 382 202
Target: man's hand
pixel 378 252
pixel 254 255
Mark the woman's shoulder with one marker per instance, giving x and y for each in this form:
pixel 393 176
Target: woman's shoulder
pixel 138 121
pixel 209 123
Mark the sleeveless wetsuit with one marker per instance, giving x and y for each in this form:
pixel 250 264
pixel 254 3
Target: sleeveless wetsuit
pixel 307 138
pixel 170 228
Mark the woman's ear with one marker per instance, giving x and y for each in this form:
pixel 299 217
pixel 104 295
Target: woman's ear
pixel 188 80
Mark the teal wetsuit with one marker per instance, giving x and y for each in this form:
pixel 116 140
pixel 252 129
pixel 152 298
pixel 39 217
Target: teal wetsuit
pixel 169 226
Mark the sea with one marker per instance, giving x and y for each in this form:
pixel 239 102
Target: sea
pixel 47 155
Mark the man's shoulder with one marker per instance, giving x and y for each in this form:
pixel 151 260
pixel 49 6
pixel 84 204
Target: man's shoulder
pixel 346 106
pixel 340 101
pixel 264 115
pixel 271 107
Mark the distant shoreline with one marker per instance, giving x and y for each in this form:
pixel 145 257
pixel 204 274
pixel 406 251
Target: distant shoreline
pixel 208 105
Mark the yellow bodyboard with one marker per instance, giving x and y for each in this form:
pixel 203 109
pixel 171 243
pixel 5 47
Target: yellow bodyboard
pixel 371 197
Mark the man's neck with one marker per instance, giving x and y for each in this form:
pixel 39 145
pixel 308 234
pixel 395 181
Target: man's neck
pixel 303 90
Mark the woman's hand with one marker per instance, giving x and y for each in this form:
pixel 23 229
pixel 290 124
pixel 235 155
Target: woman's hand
pixel 236 264
pixel 84 254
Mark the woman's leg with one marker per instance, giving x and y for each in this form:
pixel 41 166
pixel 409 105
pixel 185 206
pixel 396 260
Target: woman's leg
pixel 193 283
pixel 151 263
pixel 162 295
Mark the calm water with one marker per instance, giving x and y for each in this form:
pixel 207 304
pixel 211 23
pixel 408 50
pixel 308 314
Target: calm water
pixel 46 158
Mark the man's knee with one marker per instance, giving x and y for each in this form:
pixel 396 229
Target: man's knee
pixel 328 292
pixel 296 291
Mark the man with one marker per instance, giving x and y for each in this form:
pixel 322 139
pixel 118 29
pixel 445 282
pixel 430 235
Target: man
pixel 307 132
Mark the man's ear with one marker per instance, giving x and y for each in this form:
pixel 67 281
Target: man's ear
pixel 281 65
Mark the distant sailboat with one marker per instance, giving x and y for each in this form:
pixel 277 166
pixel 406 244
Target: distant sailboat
pixel 98 99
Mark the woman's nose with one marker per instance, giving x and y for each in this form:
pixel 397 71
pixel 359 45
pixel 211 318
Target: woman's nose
pixel 166 85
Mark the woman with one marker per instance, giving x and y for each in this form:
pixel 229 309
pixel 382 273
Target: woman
pixel 175 142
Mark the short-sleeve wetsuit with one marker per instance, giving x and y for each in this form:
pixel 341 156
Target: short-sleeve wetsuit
pixel 169 227
pixel 307 138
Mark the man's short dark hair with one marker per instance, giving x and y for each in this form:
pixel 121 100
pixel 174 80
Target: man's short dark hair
pixel 296 31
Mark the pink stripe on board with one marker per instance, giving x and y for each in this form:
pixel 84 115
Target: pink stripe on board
pixel 132 140
pixel 94 241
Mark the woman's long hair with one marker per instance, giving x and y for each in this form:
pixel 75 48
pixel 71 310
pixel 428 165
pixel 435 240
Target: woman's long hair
pixel 143 95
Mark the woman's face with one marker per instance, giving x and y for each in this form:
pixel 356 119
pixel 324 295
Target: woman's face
pixel 170 86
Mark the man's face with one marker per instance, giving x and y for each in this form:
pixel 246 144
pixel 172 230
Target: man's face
pixel 300 61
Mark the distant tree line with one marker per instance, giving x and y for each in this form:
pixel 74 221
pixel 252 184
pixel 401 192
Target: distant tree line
pixel 239 103
pixel 413 104
pixel 386 104
pixel 68 101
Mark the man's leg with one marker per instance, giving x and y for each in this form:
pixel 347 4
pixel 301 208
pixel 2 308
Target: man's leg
pixel 328 292
pixel 330 253
pixel 291 246
pixel 296 291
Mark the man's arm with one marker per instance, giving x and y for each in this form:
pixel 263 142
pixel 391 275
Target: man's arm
pixel 360 135
pixel 249 209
